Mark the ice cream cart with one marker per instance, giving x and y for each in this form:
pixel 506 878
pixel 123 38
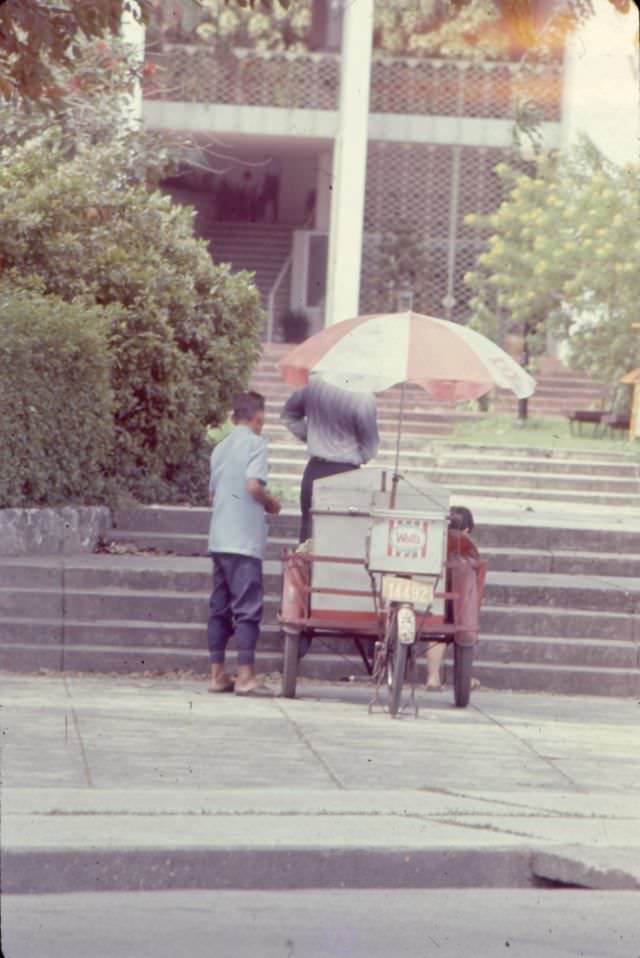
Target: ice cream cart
pixel 386 575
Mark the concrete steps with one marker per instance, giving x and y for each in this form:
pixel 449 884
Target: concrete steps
pixel 571 476
pixel 258 247
pixel 561 612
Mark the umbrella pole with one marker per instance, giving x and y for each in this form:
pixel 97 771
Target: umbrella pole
pixel 396 475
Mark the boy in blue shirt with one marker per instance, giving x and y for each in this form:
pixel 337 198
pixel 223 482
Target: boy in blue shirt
pixel 237 540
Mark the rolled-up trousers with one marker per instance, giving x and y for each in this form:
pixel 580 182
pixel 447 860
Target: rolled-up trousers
pixel 235 606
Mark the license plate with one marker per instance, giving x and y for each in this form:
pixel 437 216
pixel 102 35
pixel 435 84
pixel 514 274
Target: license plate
pixel 396 589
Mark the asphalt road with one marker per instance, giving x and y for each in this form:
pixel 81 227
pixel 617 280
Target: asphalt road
pixel 324 924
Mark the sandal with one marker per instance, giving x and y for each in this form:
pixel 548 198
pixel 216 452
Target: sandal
pixel 259 692
pixel 227 687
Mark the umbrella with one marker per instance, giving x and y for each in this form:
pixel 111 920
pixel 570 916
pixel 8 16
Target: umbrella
pixel 452 363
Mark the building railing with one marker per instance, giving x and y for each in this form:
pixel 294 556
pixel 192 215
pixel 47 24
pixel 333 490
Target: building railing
pixel 310 81
pixel 277 302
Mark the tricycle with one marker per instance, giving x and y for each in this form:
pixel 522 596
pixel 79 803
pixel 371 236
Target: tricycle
pixel 384 570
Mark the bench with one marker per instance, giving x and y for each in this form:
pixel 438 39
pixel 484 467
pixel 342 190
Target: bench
pixel 617 422
pixel 594 417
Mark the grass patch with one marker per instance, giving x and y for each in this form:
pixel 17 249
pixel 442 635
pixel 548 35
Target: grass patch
pixel 550 434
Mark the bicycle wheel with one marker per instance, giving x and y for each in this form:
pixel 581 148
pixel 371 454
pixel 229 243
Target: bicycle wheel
pixel 462 663
pixel 403 626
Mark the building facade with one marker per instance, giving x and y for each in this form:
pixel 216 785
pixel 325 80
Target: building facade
pixel 264 126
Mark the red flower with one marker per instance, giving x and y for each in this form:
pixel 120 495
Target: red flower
pixel 149 69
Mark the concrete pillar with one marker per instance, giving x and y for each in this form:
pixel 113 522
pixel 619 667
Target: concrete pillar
pixel 133 33
pixel 323 193
pixel 349 164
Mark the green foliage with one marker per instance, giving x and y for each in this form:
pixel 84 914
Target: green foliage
pixel 38 35
pixel 56 425
pixel 473 29
pixel 562 254
pixel 183 332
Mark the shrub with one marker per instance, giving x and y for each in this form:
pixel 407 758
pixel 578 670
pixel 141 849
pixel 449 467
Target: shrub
pixel 183 334
pixel 56 420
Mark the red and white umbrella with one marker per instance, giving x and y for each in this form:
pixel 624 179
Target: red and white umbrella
pixel 452 363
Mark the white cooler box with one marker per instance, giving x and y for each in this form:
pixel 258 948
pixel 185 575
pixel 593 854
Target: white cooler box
pixel 352 519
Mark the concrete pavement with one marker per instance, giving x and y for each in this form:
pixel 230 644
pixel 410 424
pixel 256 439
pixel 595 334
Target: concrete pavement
pixel 328 923
pixel 154 784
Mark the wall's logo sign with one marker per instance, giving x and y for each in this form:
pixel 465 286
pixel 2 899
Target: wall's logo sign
pixel 407 538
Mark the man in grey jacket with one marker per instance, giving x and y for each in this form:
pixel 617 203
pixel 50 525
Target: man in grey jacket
pixel 340 429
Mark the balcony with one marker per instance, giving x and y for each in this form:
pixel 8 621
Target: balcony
pixel 310 81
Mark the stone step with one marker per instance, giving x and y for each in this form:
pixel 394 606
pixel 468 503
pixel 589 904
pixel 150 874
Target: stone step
pixel 514 533
pixel 521 676
pixel 566 623
pixel 431 457
pixel 282 464
pixel 607 454
pixel 191 636
pixel 578 612
pixel 526 464
pixel 139 581
pixel 116 569
pixel 532 491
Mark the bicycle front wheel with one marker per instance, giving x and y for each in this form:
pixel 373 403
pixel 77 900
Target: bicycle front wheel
pixel 403 629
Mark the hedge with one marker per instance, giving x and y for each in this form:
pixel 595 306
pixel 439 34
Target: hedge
pixel 56 416
pixel 183 332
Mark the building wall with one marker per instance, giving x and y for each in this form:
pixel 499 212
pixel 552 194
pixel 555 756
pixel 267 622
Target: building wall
pixel 430 188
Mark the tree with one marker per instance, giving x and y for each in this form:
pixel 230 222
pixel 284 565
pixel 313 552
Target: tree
pixel 562 255
pixel 37 35
pixel 183 332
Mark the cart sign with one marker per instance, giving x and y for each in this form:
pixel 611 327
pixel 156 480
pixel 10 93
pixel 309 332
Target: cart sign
pixel 407 539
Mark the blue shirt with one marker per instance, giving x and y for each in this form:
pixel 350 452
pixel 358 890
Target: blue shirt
pixel 238 522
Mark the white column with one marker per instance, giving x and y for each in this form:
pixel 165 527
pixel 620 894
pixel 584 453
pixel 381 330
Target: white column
pixel 349 164
pixel 133 33
pixel 323 193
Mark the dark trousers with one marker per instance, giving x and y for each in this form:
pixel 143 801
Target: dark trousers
pixel 316 469
pixel 235 606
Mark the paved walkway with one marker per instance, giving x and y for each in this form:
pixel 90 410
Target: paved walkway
pixel 153 783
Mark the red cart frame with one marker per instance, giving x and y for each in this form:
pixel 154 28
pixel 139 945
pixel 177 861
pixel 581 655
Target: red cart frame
pixel 464 574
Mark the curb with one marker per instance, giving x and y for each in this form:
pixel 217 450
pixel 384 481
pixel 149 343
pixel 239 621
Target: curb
pixel 272 869
pixel 276 869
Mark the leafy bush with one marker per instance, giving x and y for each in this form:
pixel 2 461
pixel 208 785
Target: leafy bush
pixel 56 424
pixel 183 334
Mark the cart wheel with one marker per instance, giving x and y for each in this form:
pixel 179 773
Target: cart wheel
pixel 290 664
pixel 462 662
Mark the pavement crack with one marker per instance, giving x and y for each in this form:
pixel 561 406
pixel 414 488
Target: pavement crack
pixel 530 748
pixel 76 726
pixel 484 828
pixel 305 741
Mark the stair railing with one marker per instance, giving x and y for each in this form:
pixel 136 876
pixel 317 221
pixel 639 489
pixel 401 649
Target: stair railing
pixel 271 301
